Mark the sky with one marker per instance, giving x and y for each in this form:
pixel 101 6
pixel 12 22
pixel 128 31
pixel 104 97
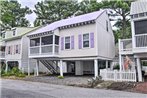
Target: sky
pixel 30 4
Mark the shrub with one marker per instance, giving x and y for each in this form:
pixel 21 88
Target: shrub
pixel 116 67
pixel 60 77
pixel 14 72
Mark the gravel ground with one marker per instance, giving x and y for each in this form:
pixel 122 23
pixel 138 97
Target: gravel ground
pixel 68 80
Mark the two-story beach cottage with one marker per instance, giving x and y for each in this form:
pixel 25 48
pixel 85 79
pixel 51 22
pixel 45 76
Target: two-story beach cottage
pixel 136 47
pixel 78 45
pixel 14 48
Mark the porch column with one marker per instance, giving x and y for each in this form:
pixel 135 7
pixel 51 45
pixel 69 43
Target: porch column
pixel 106 64
pixel 53 51
pixel 120 62
pixel 6 69
pixel 19 65
pixel 61 68
pixel 95 68
pixel 37 68
pixel 139 70
pixel 28 67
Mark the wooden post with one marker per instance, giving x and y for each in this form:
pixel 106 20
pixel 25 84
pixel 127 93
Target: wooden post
pixel 37 68
pixel 61 68
pixel 95 68
pixel 139 70
pixel 6 69
pixel 28 67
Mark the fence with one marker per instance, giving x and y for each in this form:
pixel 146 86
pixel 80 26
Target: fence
pixel 114 75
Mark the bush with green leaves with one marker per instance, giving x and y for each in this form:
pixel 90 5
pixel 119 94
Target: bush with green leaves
pixel 60 77
pixel 14 72
pixel 116 67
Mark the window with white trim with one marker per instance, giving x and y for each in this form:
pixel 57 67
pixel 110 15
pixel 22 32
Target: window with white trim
pixel 67 42
pixel 85 40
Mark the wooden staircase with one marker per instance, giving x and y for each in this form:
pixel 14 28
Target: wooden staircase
pixel 51 66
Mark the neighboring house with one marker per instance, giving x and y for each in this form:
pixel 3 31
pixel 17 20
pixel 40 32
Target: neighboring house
pixel 78 45
pixel 136 47
pixel 14 48
pixel 2 48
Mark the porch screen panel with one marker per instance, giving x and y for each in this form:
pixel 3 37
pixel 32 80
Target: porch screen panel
pixel 140 27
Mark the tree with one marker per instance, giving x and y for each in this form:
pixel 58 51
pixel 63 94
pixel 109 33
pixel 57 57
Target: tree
pixel 87 6
pixel 50 11
pixel 13 15
pixel 120 10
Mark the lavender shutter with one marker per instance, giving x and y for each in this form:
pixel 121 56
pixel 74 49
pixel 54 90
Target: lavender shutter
pixel 80 41
pixel 72 42
pixel 92 40
pixel 62 43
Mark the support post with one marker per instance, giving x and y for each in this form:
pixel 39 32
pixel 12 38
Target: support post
pixel 28 67
pixel 61 68
pixel 106 64
pixel 6 69
pixel 95 68
pixel 37 68
pixel 139 70
pixel 120 62
pixel 53 51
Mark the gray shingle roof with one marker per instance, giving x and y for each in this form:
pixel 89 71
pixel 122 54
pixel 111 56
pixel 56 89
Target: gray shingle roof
pixel 69 21
pixel 139 6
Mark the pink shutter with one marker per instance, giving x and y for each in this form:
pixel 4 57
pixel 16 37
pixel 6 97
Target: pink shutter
pixel 19 48
pixel 14 49
pixel 6 50
pixel 10 49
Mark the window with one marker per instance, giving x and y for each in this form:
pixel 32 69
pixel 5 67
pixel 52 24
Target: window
pixel 16 49
pixel 56 40
pixel 107 25
pixel 85 40
pixel 35 42
pixel 47 40
pixel 140 27
pixel 14 32
pixel 9 50
pixel 136 16
pixel 67 42
pixel 141 14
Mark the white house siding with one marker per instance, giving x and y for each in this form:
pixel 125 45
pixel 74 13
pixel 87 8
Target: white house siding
pixel 106 46
pixel 76 52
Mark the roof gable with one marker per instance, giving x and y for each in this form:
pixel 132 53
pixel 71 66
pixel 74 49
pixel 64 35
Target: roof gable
pixel 139 6
pixel 69 21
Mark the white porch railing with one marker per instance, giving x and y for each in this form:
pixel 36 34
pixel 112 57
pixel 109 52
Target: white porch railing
pixel 43 49
pixel 115 75
pixel 125 44
pixel 141 40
